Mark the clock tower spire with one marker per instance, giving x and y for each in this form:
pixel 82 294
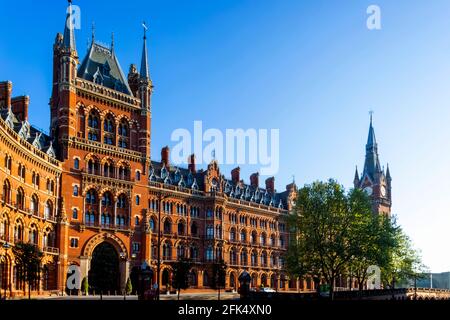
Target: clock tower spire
pixel 374 181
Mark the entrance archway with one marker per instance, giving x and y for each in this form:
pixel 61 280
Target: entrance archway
pixel 104 274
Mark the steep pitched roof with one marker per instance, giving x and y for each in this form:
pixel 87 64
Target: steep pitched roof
pixel 27 132
pixel 100 65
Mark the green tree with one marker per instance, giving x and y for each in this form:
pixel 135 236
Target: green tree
pixel 128 287
pixel 375 238
pixel 326 226
pixel 181 271
pixel 85 286
pixel 404 262
pixel 28 259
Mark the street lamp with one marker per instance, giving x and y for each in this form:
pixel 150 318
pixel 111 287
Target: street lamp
pixel 158 266
pixel 6 246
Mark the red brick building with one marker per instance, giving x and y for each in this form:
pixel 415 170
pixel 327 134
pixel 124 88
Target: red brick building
pixel 91 188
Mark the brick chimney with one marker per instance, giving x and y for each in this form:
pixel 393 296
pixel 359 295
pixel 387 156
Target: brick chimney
pixel 165 156
pixel 5 93
pixel 191 163
pixel 235 175
pixel 270 184
pixel 19 106
pixel 254 180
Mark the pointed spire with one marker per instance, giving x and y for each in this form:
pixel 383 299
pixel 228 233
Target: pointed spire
pixel 93 32
pixel 69 33
pixel 112 43
pixel 371 141
pixel 144 62
pixel 388 173
pixel 356 175
pixel 372 163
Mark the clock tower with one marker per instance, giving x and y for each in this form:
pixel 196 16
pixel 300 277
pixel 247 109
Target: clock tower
pixel 374 180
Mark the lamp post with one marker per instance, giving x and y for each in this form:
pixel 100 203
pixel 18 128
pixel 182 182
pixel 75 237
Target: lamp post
pixel 158 266
pixel 6 246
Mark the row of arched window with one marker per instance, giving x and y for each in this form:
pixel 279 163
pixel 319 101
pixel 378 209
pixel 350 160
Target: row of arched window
pixel 21 202
pixel 121 139
pixel 108 169
pixel 47 240
pixel 35 177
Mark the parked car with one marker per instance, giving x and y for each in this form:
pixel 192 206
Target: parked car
pixel 267 290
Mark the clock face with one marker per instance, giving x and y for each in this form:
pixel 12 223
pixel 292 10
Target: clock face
pixel 383 191
pixel 368 190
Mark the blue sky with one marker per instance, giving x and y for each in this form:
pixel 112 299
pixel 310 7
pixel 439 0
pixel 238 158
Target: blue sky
pixel 309 68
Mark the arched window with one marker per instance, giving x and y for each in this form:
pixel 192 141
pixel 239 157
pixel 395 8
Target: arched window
pixel 233 234
pixel 262 239
pixel 18 232
pixel 138 176
pixel 167 226
pixel 75 214
pixel 233 256
pixel 122 201
pixel 209 254
pixel 181 229
pixel 272 240
pixel 108 130
pixel 243 236
pixel 136 221
pixel 20 199
pixel 254 258
pixel 264 259
pixel 123 134
pixel 253 237
pixel 75 191
pixel 243 257
pixel 6 196
pixel 167 251
pixel 34 205
pixel 91 197
pixel 210 231
pixel 33 235
pixel 76 163
pixel 138 200
pixel 193 253
pixel 106 199
pixel 194 228
pixel 152 224
pixel 108 169
pixel 94 126
pixel 181 251
pixel 48 210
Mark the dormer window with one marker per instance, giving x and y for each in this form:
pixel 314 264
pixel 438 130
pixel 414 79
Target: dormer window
pixel 98 78
pixel 106 69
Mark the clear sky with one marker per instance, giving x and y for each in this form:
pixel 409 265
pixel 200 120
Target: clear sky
pixel 309 68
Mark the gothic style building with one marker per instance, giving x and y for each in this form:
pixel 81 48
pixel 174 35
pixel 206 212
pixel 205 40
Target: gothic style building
pixel 91 188
pixel 374 180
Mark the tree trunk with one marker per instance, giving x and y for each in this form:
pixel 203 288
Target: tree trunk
pixel 332 289
pixel 179 293
pixel 29 291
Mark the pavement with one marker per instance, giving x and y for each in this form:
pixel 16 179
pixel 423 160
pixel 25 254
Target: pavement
pixel 183 296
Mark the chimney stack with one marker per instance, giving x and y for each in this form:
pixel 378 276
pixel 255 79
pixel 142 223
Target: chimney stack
pixel 191 163
pixel 270 184
pixel 5 93
pixel 165 156
pixel 19 107
pixel 254 180
pixel 235 175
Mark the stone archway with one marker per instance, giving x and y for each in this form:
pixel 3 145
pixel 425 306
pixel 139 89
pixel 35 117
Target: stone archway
pixel 104 273
pixel 117 250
